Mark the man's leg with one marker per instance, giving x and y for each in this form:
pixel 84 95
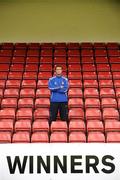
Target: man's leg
pixel 63 108
pixel 53 111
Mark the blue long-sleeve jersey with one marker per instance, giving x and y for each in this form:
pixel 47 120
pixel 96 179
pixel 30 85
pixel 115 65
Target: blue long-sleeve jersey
pixel 58 85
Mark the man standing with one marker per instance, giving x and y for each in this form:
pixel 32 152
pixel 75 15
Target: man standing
pixel 58 85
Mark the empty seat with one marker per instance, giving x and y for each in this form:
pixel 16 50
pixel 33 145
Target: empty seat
pixel 113 137
pixel 24 113
pixel 104 75
pixel 58 137
pixel 104 83
pixel 88 67
pixel 93 113
pixel 87 60
pixel 117 92
pixel 21 137
pixel 73 52
pixel 11 93
pixel 32 59
pixel 115 67
pixel 108 102
pixel 40 113
pixel 75 92
pixel 92 102
pixel 110 113
pixel 101 59
pixel 75 75
pixel 76 113
pixel 31 67
pixel 15 75
pixel 23 125
pixel 100 52
pixel 9 102
pixel 4 67
pixel 77 126
pixel 3 75
pixel 46 59
pixel 90 83
pixel 7 113
pixel 42 102
pixel 44 75
pixel 45 67
pixel 30 75
pixel 75 83
pixel 25 102
pixel 74 67
pixel 75 102
pixel 6 126
pixel 77 137
pixel 59 126
pixel 117 83
pixel 89 75
pixel 91 93
pixel 2 84
pixel 12 83
pixel 107 92
pixel 1 93
pixel 5 137
pixel 39 137
pixel 95 126
pixel 96 137
pixel 43 92
pixel 112 126
pixel 103 67
pixel 116 75
pixel 29 83
pixel 40 126
pixel 42 83
pixel 73 60
pixel 27 93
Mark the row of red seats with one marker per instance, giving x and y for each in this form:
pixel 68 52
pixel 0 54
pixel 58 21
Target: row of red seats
pixel 74 113
pixel 61 53
pixel 59 126
pixel 60 45
pixel 72 93
pixel 62 60
pixel 59 137
pixel 78 102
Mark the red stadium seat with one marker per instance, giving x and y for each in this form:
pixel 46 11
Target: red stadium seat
pixel 1 93
pixel 75 92
pixel 108 102
pixel 58 137
pixel 88 67
pixel 106 83
pixel 101 59
pixel 5 137
pixel 24 113
pixel 75 102
pixel 110 113
pixel 6 126
pixel 30 75
pixel 15 75
pixel 33 52
pixel 31 68
pixel 44 75
pixel 76 113
pixel 74 67
pixel 17 67
pixel 21 137
pixel 92 102
pixel 42 102
pixel 2 84
pixel 96 137
pixel 43 92
pixel 93 113
pixel 28 83
pixel 89 75
pixel 77 137
pixel 107 92
pixel 117 92
pixel 11 93
pixel 104 75
pixel 42 83
pixel 4 67
pixel 90 83
pixel 73 60
pixel 13 83
pixel 103 67
pixel 39 137
pixel 77 126
pixel 3 75
pixel 23 126
pixel 116 75
pixel 40 113
pixel 9 102
pixel 87 60
pixel 95 126
pixel 111 126
pixel 75 83
pixel 38 126
pixel 59 126
pixel 91 93
pixel 113 137
pixel 7 113
pixel 27 93
pixel 25 102
pixel 117 83
pixel 74 75
pixel 32 60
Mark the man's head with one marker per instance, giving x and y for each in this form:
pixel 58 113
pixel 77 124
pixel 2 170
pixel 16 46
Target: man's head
pixel 58 70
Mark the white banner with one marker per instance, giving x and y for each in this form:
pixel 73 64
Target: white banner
pixel 59 161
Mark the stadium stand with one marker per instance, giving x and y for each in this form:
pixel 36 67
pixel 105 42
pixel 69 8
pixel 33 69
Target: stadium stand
pixel 93 70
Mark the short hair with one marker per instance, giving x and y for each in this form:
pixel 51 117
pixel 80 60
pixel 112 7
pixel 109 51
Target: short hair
pixel 58 66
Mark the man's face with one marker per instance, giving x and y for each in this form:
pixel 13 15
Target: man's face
pixel 58 71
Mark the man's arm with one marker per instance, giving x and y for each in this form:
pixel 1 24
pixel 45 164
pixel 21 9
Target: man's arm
pixel 51 86
pixel 64 89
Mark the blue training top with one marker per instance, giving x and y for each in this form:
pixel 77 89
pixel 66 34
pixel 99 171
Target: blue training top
pixel 58 86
